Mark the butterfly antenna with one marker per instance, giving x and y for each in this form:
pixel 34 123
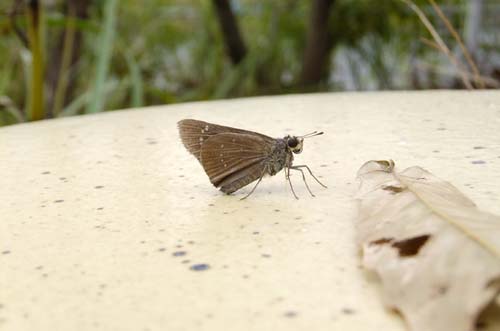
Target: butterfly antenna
pixel 312 134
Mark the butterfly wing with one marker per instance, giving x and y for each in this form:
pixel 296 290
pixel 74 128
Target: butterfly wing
pixel 195 133
pixel 233 160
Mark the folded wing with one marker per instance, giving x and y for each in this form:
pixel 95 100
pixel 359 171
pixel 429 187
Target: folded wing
pixel 233 160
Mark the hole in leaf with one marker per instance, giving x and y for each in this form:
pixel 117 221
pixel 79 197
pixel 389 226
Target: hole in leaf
pixel 412 246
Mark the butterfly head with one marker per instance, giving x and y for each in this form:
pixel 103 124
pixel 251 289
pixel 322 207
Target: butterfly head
pixel 295 144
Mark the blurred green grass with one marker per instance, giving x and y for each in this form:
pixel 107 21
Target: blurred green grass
pixel 121 54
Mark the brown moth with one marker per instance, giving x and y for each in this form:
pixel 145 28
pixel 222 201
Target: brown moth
pixel 234 158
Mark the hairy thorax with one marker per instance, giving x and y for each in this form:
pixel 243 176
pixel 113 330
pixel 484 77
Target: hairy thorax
pixel 280 157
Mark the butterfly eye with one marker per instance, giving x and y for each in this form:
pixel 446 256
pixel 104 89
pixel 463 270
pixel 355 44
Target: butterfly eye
pixel 292 142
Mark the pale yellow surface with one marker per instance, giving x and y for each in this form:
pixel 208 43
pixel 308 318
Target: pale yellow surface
pixel 94 209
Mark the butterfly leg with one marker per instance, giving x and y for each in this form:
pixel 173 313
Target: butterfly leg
pixel 253 189
pixel 287 176
pixel 304 179
pixel 310 172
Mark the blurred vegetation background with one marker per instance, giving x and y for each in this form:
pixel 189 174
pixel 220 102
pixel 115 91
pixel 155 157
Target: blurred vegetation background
pixel 62 58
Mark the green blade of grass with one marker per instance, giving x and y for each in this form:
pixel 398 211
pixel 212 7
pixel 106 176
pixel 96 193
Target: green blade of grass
pixel 85 98
pixel 7 104
pixel 62 81
pixel 137 99
pixel 35 103
pixel 6 77
pixel 104 56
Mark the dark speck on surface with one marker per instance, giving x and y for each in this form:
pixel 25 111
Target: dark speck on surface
pixel 478 162
pixel 479 147
pixel 5 252
pixel 46 173
pixel 256 232
pixel 185 261
pixel 191 242
pixel 100 208
pixel 162 249
pixel 199 267
pixel 277 210
pixel 290 314
pixel 58 201
pixel 348 311
pixel 266 255
pixel 179 253
pixel 98 186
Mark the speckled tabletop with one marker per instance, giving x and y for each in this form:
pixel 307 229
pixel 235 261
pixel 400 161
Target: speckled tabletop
pixel 109 224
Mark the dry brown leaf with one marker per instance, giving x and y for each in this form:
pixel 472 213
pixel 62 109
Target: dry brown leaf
pixel 437 255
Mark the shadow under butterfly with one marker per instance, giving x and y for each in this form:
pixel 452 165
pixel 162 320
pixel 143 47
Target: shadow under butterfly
pixel 234 158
